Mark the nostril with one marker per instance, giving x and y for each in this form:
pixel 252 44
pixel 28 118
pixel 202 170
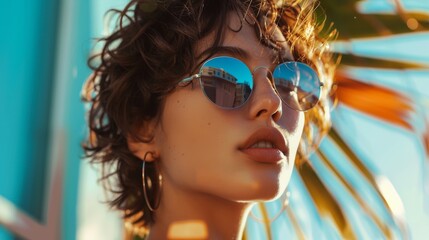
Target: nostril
pixel 277 115
pixel 261 112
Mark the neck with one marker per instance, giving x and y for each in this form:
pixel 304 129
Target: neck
pixel 194 215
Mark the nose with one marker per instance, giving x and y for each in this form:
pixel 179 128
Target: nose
pixel 265 103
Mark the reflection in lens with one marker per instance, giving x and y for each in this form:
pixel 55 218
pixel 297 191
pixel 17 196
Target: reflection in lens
pixel 226 81
pixel 298 85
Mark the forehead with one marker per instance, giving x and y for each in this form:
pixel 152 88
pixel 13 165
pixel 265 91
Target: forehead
pixel 240 34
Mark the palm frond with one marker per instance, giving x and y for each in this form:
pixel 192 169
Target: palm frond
pixel 361 61
pixel 351 23
pixel 380 184
pixel 325 202
pixel 377 101
pixel 344 179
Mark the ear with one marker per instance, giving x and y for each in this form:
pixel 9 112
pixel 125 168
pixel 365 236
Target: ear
pixel 144 141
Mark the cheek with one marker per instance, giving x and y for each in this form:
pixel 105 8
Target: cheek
pixel 293 123
pixel 292 120
pixel 190 139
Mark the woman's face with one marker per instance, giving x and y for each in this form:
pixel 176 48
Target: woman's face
pixel 206 149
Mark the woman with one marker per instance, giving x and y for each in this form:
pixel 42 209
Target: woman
pixel 197 110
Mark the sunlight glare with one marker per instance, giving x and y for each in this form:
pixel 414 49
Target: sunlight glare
pixel 8 212
pixel 390 195
pixel 192 229
pixel 412 24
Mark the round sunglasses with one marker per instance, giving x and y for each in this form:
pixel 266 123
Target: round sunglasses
pixel 229 83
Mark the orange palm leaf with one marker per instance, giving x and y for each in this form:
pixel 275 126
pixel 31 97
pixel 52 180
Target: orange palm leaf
pixel 377 101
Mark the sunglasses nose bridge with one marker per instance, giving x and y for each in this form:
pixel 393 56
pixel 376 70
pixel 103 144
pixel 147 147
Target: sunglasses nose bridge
pixel 267 74
pixel 261 67
pixel 265 101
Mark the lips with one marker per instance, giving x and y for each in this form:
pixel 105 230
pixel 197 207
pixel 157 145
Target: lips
pixel 266 154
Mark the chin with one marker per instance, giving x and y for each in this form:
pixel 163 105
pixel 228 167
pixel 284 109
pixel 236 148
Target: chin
pixel 261 190
pixel 269 192
pixel 253 183
pixel 271 186
pixel 265 195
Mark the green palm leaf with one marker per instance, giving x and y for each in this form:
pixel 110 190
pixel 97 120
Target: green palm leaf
pixel 352 24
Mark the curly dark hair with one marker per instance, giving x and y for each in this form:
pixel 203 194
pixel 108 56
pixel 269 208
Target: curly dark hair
pixel 151 48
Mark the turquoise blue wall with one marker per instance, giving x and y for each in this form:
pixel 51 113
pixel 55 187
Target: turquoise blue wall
pixel 43 49
pixel 27 56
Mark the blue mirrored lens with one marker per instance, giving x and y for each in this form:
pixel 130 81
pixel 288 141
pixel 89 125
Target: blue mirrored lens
pixel 226 81
pixel 298 85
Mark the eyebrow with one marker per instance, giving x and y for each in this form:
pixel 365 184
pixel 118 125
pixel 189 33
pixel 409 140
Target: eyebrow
pixel 238 53
pixel 228 50
pixel 234 51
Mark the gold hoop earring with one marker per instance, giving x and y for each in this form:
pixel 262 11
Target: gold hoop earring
pixel 150 186
pixel 285 203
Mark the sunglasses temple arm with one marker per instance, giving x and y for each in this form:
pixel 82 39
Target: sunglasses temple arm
pixel 188 79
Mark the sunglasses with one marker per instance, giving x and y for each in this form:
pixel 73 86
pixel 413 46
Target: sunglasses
pixel 229 83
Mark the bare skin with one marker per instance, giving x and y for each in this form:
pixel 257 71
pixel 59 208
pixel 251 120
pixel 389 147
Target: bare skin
pixel 209 185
